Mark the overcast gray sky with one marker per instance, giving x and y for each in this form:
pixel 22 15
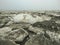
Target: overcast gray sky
pixel 30 4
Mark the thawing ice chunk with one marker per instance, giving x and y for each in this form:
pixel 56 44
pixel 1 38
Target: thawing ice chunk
pixel 27 18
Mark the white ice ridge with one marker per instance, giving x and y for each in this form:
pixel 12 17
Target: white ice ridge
pixel 27 18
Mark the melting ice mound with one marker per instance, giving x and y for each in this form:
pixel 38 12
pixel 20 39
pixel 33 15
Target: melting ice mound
pixel 27 18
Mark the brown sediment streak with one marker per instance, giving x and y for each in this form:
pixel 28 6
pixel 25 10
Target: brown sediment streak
pixel 24 18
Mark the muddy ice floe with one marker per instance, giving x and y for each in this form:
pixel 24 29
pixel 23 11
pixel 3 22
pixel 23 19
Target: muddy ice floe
pixel 27 18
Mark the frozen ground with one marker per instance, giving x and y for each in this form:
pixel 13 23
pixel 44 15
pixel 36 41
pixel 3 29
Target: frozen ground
pixel 30 28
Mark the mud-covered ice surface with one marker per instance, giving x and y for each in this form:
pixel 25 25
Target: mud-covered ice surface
pixel 29 27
